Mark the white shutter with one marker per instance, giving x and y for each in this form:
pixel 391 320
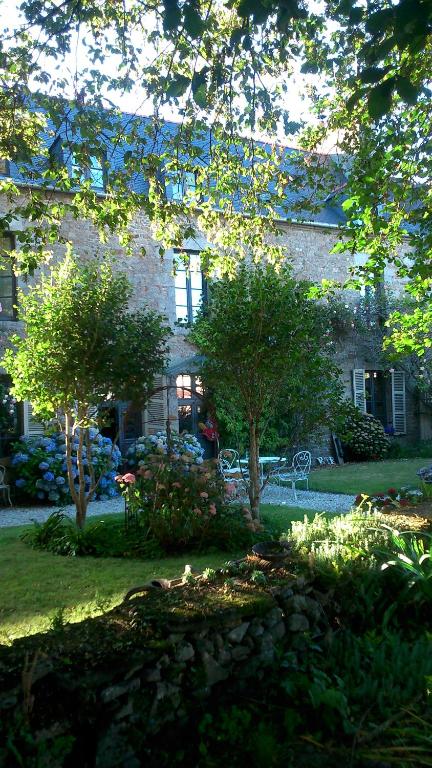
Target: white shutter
pixel 398 402
pixel 359 389
pixel 32 427
pixel 155 414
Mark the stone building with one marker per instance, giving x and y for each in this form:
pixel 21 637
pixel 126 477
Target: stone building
pixel 386 394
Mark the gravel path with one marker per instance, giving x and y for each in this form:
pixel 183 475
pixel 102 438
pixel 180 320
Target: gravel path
pixel 321 502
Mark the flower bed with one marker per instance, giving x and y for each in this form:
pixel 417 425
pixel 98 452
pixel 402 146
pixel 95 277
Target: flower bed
pixel 39 466
pixel 180 504
pixel 390 499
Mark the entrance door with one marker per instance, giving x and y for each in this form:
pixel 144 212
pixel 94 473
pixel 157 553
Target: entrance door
pixel 123 422
pixel 191 409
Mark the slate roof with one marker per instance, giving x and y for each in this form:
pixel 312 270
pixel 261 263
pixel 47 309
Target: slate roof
pixel 327 204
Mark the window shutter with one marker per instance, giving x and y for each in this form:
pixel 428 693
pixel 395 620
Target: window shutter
pixel 359 389
pixel 155 414
pixel 398 402
pixel 32 427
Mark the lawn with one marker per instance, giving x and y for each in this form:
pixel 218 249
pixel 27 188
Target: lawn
pixel 36 588
pixel 368 477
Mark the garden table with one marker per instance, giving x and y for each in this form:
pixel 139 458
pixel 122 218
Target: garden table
pixel 265 461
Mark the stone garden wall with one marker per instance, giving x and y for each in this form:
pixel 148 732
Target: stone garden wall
pixel 115 681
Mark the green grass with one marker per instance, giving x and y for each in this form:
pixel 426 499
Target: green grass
pixel 368 477
pixel 36 585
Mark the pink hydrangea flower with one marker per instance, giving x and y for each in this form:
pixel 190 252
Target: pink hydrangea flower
pixel 198 512
pixel 212 509
pixel 129 478
pixel 204 495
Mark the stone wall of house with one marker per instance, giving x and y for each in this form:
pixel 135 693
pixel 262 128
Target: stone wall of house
pixel 308 248
pixel 113 682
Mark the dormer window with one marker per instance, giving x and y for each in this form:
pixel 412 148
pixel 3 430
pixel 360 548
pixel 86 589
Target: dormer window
pixel 179 185
pixel 93 170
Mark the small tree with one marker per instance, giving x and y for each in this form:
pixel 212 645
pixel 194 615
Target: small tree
pixel 267 355
pixel 82 347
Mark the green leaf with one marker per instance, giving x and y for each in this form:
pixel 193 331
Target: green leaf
pixel 172 15
pixel 178 86
pixel 310 67
pixel 380 99
pixel 380 21
pixel 193 22
pixel 373 74
pixel 406 90
pixel 199 87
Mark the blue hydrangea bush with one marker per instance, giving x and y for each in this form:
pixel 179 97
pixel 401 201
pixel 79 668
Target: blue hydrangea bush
pixel 39 465
pixel 184 448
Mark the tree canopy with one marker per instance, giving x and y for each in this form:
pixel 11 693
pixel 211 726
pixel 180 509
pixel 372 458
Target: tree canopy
pixel 228 70
pixel 81 348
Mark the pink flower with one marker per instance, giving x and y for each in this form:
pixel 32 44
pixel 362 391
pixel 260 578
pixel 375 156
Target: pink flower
pixel 204 495
pixel 198 512
pixel 118 478
pixel 129 478
pixel 176 485
pixel 212 509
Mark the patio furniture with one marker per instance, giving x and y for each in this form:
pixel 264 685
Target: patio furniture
pixel 231 471
pixel 297 473
pixel 229 460
pixel 264 461
pixel 4 487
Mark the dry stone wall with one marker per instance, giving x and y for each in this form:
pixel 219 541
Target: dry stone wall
pixel 108 685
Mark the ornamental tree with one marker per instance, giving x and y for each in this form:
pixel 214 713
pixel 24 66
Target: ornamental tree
pixel 267 356
pixel 82 347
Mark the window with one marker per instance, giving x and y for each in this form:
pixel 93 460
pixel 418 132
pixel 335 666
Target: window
pixel 190 402
pixel 93 171
pixel 190 287
pixel 10 417
pixel 375 389
pixel 179 185
pixel 56 156
pixel 7 280
pixel 4 167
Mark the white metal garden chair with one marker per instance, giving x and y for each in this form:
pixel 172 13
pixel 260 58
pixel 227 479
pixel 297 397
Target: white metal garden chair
pixel 298 471
pixel 4 487
pixel 231 471
pixel 230 457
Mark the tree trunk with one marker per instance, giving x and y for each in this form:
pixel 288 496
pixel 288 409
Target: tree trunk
pixel 82 501
pixel 254 471
pixel 69 464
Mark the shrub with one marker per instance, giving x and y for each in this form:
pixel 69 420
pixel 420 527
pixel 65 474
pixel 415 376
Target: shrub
pixel 363 436
pixel 181 505
pixel 422 449
pixel 40 471
pixel 184 448
pixel 104 538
